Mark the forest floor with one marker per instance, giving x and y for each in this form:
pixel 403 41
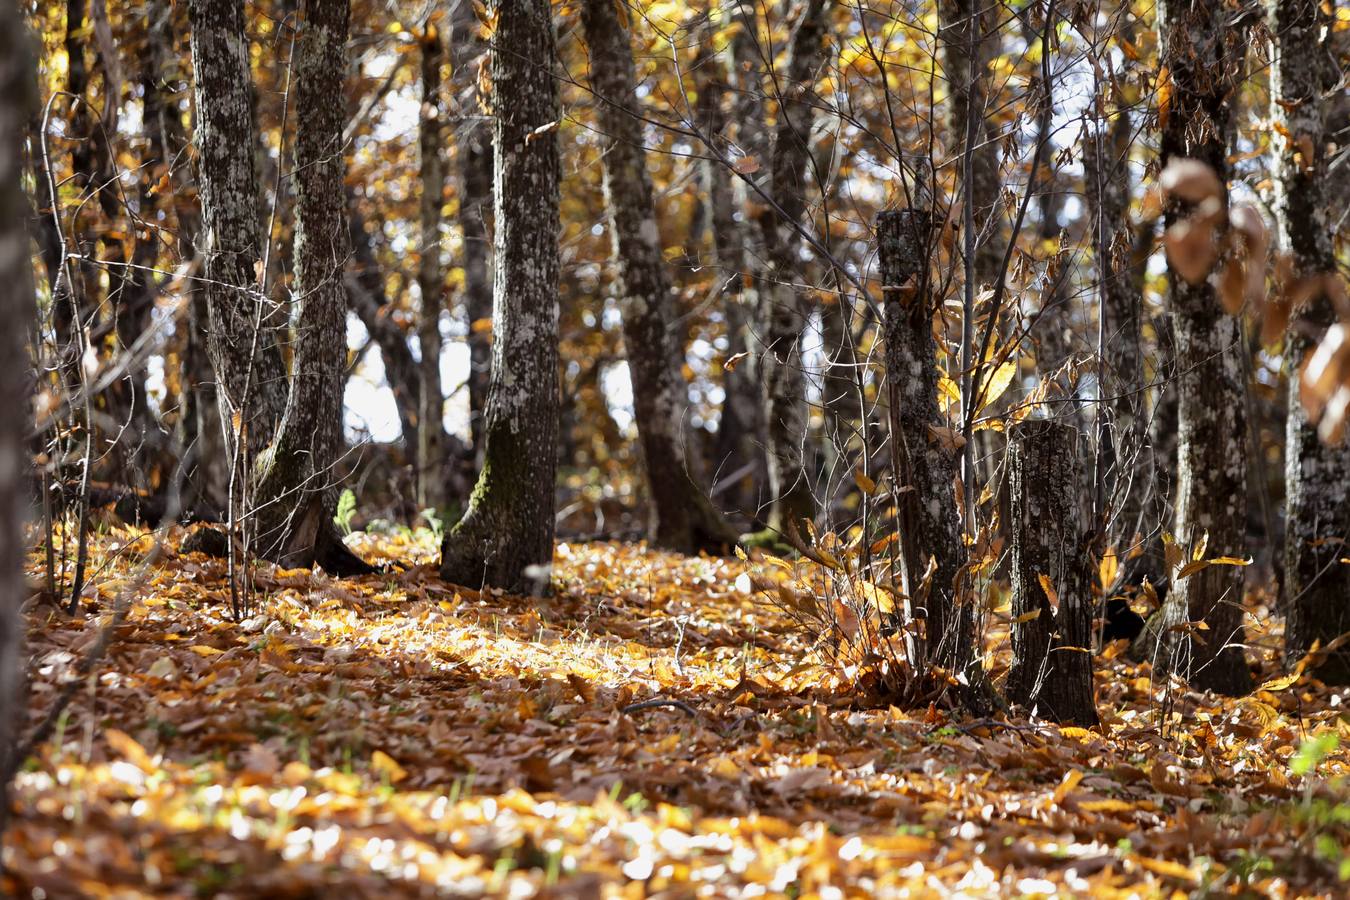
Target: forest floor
pixel 392 735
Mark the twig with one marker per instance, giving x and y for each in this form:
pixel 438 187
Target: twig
pixel 659 702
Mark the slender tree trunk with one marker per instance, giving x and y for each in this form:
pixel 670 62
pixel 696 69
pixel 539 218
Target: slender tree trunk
pixel 246 359
pixel 781 364
pixel 847 437
pixel 967 46
pixel 430 282
pixel 1204 53
pixel 474 156
pixel 506 537
pixel 1317 476
pixel 199 439
pixel 741 438
pixel 682 516
pixel 923 464
pixel 294 498
pixel 369 300
pixel 18 99
pixel 1051 576
pixel 1137 503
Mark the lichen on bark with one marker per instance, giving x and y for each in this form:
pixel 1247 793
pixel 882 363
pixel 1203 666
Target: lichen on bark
pixel 1205 55
pixel 505 539
pixel 1316 593
pixel 932 552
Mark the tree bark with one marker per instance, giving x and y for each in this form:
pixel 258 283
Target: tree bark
pixel 966 51
pixel 741 437
pixel 924 466
pixel 1051 576
pixel 199 439
pixel 681 515
pixel 1204 52
pixel 474 156
pixel 506 537
pixel 1317 476
pixel 1137 501
pixel 781 364
pixel 18 100
pixel 430 281
pixel 294 498
pixel 246 359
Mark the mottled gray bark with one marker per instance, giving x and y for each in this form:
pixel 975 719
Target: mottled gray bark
pixel 1051 576
pixel 473 140
pixel 786 308
pixel 923 464
pixel 430 280
pixel 1204 52
pixel 507 533
pixel 246 359
pixel 198 434
pixel 18 99
pixel 966 41
pixel 1317 476
pixel 741 438
pixel 293 496
pixel 1137 504
pixel 681 516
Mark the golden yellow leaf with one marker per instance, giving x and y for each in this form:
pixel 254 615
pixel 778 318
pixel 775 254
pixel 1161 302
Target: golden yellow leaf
pixel 1166 868
pixel 1050 593
pixel 385 765
pixel 1067 783
pixel 127 747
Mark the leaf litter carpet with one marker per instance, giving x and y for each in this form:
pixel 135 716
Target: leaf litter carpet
pixel 394 735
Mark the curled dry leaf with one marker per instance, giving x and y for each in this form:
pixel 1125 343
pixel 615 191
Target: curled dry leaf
pixel 1326 370
pixel 1190 180
pixel 1191 250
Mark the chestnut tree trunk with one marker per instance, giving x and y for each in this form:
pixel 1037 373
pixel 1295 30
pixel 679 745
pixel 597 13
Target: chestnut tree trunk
pixel 682 517
pixel 1317 476
pixel 18 100
pixel 506 537
pixel 430 281
pixel 923 463
pixel 1204 52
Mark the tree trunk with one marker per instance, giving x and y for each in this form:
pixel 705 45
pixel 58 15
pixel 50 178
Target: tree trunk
pixel 923 464
pixel 247 362
pixel 199 439
pixel 506 537
pixel 741 438
pixel 293 497
pixel 474 155
pixel 369 300
pixel 966 51
pixel 1137 501
pixel 1317 476
pixel 18 98
pixel 1203 52
pixel 1051 576
pixel 430 282
pixel 682 517
pixel 781 364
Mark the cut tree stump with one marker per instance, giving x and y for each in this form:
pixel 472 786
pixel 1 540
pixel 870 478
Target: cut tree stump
pixel 1051 577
